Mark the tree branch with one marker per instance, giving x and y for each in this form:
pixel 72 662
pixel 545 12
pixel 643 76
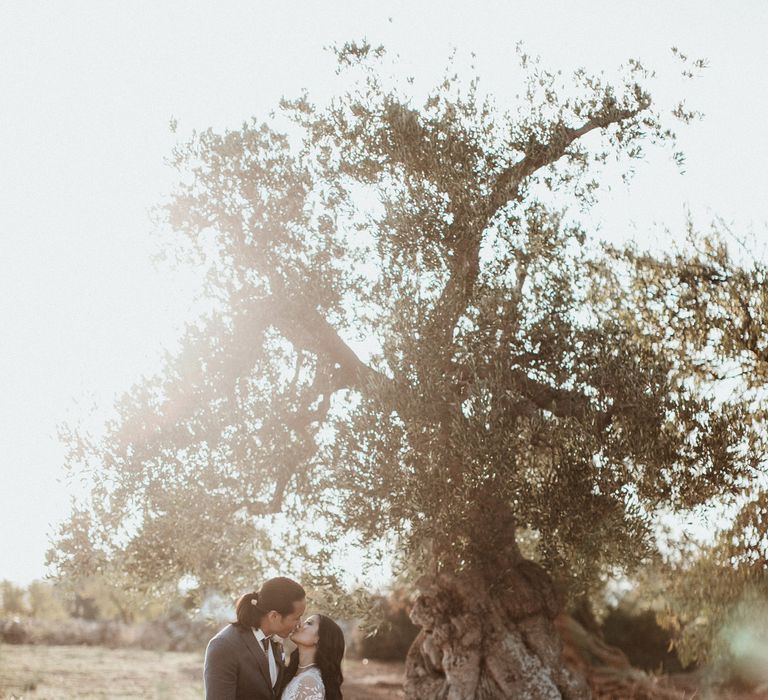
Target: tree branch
pixel 306 329
pixel 563 403
pixel 300 423
pixel 508 183
pixel 465 265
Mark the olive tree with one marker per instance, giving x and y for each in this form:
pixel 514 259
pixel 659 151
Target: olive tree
pixel 412 347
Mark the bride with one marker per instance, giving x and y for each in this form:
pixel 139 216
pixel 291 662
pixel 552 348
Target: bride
pixel 320 643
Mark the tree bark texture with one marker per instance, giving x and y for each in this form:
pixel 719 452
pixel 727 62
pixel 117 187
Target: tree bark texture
pixel 478 644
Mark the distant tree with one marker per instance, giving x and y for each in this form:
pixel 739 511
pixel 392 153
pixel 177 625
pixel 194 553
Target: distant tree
pixel 412 344
pixel 46 601
pixel 13 598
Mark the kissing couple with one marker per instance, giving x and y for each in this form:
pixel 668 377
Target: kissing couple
pixel 246 661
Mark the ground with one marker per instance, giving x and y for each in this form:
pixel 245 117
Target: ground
pixel 87 673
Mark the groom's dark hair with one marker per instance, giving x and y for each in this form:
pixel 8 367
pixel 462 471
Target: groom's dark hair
pixel 277 594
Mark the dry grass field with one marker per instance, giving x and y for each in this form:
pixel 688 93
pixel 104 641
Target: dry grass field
pixel 68 672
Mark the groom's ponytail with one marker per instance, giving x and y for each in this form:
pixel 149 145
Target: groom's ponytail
pixel 277 594
pixel 247 610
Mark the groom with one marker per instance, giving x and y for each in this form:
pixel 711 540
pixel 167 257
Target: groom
pixel 243 662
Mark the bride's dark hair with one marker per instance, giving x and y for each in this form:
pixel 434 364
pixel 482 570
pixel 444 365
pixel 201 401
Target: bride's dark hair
pixel 330 650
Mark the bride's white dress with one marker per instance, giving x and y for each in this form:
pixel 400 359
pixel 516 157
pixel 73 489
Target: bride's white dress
pixel 306 685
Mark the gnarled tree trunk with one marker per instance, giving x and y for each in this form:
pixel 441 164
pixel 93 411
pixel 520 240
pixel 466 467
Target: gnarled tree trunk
pixel 482 644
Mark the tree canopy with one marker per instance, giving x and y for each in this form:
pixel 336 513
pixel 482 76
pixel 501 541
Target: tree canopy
pixel 415 340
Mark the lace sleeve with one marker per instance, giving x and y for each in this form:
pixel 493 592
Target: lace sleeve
pixel 310 687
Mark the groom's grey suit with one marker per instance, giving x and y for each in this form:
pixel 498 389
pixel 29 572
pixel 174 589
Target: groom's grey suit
pixel 236 667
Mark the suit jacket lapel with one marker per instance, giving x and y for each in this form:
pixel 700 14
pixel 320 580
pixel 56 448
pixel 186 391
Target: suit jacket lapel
pixel 261 658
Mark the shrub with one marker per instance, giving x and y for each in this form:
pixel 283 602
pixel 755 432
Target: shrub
pixel 394 636
pixel 639 636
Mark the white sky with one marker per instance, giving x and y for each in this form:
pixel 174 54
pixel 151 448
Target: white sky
pixel 87 90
